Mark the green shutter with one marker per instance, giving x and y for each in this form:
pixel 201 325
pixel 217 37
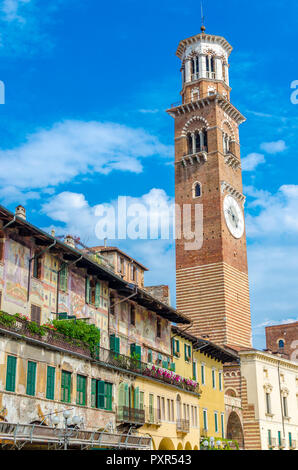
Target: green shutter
pixel 126 395
pixel 88 290
pixel 117 345
pixel 194 370
pixel 177 346
pixel 63 278
pixel 50 395
pixel 141 400
pixel 112 343
pixel 173 346
pixel 185 352
pixel 151 408
pixel 66 386
pixel 108 395
pixel 93 393
pixel 165 364
pixel 100 394
pixel 97 294
pixel 31 378
pixel 11 373
pixel 137 398
pixel 149 355
pixel 81 390
pixel 173 367
pixel 132 349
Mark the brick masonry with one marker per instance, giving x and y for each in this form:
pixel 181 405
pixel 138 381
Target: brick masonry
pixel 288 333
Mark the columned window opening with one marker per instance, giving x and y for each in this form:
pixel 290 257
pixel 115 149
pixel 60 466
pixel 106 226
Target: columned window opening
pixel 197 190
pixel 210 66
pixel 197 142
pixel 195 68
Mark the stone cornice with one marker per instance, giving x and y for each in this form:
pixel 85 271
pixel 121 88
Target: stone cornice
pixel 204 38
pixel 262 355
pixel 226 106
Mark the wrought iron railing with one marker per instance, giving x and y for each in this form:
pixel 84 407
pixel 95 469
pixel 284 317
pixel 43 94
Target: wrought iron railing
pixel 152 416
pixel 126 414
pixel 182 425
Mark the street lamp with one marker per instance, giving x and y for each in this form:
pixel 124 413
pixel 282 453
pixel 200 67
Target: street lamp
pixel 205 444
pixel 69 421
pixel 218 443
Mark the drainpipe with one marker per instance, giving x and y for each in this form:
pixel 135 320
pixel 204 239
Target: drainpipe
pixel 281 407
pixel 9 223
pixel 58 279
pixel 30 261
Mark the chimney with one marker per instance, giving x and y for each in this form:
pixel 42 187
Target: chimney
pixel 21 212
pixel 69 240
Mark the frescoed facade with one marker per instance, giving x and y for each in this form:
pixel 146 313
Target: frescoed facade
pixel 44 372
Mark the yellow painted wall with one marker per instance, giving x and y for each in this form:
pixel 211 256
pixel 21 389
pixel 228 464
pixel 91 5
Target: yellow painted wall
pixel 166 434
pixel 212 399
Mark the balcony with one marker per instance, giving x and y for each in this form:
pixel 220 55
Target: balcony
pixel 210 75
pixel 182 426
pixel 293 445
pixel 133 416
pixel 152 416
pixel 272 443
pixel 282 444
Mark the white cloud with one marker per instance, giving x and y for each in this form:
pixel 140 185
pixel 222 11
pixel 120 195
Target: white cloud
pixel 278 216
pixel 252 160
pixel 11 9
pixel 149 111
pixel 274 147
pixel 72 148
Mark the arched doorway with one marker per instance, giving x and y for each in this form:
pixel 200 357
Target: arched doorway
pixel 180 446
pixel 166 444
pixel 188 446
pixel 234 429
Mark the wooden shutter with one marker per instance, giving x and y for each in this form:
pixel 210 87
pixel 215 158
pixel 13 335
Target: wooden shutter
pixel 31 378
pixel 108 395
pixel 194 370
pixel 112 343
pixel 100 394
pixel 63 278
pixel 137 398
pixel 81 390
pixel 132 349
pixel 117 345
pixel 50 394
pixel 93 393
pixel 35 314
pixel 126 395
pixel 97 294
pixel 2 241
pixel 65 386
pixel 138 351
pixel 88 290
pixel 11 373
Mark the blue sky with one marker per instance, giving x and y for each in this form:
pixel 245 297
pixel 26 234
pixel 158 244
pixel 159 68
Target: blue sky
pixel 87 86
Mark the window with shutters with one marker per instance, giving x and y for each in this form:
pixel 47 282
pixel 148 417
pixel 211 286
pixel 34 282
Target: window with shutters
pixel 205 420
pixel 31 378
pixel 158 328
pixel 216 421
pixel 81 390
pixel 2 241
pixel 65 386
pixel 220 380
pixel 150 356
pixel 101 395
pixel 132 314
pixel 112 304
pixel 50 393
pixel 63 278
pixel 35 314
pixel 194 370
pixel 213 379
pixel 114 344
pixel 135 351
pixel 203 374
pixel 151 407
pixel 37 266
pixel 222 420
pixel 176 347
pixel 11 373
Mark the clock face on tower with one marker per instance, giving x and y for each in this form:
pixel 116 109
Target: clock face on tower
pixel 233 216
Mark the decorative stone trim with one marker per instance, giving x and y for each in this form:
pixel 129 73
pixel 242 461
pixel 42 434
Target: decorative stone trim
pixel 232 161
pixel 199 158
pixel 190 121
pixel 236 194
pixel 230 127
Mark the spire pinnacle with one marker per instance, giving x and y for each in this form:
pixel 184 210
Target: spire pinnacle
pixel 203 29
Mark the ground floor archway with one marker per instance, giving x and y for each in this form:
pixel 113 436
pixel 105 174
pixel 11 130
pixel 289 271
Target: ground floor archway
pixel 188 446
pixel 180 446
pixel 234 429
pixel 166 444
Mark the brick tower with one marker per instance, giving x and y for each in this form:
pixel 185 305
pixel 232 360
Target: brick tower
pixel 212 282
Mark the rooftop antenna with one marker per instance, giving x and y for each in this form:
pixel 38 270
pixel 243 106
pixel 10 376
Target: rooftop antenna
pixel 203 29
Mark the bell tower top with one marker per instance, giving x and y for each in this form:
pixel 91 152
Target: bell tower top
pixel 205 66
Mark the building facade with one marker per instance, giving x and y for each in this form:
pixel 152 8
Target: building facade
pixel 283 339
pixel 45 372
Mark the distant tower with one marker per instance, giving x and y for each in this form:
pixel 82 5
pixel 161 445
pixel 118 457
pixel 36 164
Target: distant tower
pixel 212 283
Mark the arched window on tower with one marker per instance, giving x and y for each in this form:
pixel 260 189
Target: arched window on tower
pixel 195 68
pixel 210 66
pixel 197 142
pixel 281 344
pixel 189 144
pixel 196 190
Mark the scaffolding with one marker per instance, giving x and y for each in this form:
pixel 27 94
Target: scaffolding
pixel 20 435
